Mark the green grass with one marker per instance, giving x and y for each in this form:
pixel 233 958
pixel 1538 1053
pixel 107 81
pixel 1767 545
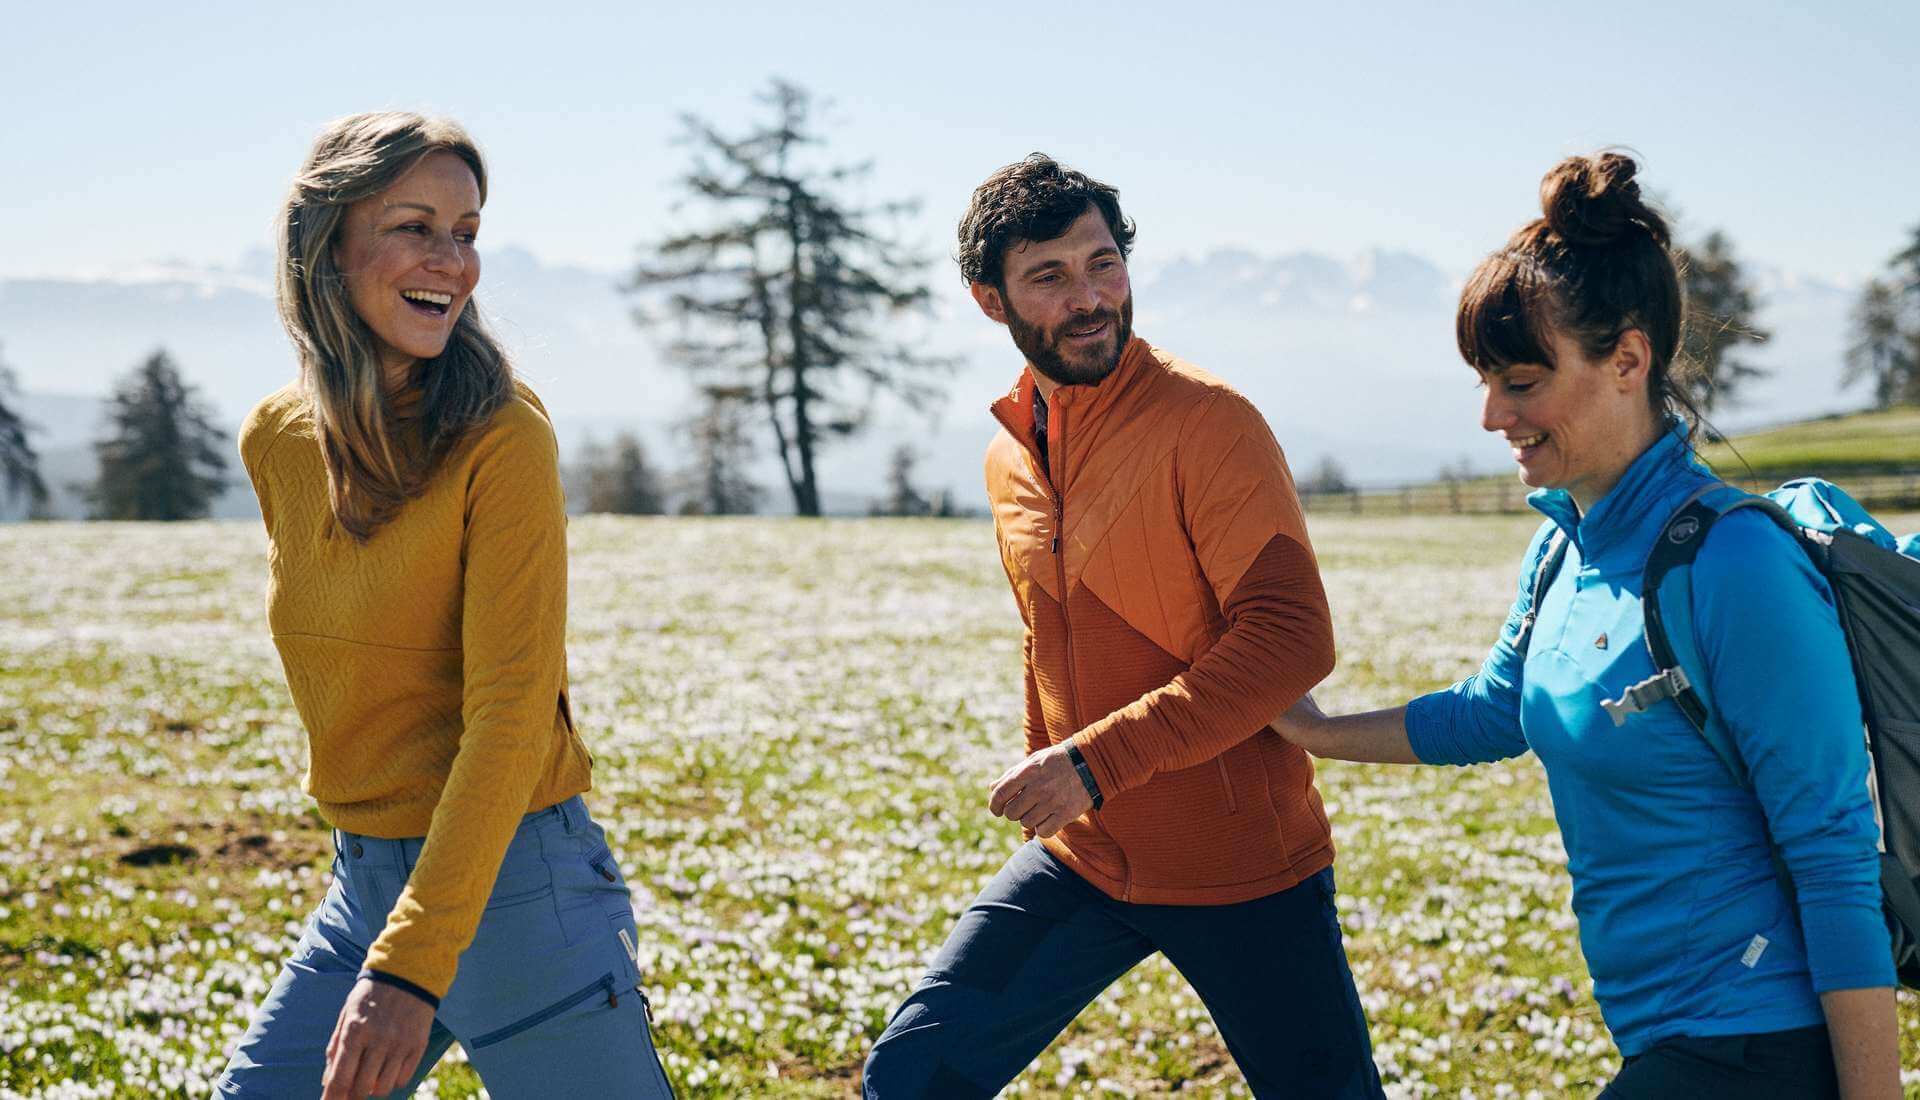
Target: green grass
pixel 1875 456
pixel 794 725
pixel 1852 444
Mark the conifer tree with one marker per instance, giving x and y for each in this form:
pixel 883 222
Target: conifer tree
pixel 1885 349
pixel 1882 350
pixel 619 479
pixel 162 458
pixel 1329 476
pixel 1721 312
pixel 903 498
pixel 717 481
pixel 790 295
pixel 19 463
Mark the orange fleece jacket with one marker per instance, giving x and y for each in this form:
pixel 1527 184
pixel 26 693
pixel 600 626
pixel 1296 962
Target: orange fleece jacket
pixel 1173 609
pixel 428 664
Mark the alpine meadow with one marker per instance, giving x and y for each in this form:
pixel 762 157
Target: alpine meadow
pixel 794 724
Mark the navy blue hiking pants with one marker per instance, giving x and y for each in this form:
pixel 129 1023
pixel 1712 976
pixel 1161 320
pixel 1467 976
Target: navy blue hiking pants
pixel 1040 943
pixel 1770 1065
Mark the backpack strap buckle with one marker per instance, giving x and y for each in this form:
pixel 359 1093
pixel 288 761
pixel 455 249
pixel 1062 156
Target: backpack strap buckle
pixel 1667 684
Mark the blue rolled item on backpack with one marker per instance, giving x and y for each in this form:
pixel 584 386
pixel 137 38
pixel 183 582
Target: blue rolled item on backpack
pixel 1686 927
pixel 1824 506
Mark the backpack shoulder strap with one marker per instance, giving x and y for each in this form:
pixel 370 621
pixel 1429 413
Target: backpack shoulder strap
pixel 1551 556
pixel 1667 602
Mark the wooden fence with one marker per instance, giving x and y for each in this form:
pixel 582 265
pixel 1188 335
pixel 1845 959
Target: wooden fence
pixel 1506 496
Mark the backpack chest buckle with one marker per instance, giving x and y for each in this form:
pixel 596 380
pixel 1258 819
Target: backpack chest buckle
pixel 1667 684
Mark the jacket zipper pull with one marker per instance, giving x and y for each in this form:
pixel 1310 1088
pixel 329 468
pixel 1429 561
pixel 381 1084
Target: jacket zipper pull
pixel 1056 544
pixel 613 995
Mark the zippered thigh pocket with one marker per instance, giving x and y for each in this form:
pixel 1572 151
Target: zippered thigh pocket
pixel 602 986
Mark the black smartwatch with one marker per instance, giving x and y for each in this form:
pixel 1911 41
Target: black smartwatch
pixel 1086 773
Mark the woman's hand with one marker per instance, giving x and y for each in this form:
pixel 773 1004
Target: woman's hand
pixel 377 1041
pixel 1301 721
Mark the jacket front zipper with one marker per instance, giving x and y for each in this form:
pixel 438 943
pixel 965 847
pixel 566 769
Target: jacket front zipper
pixel 1057 456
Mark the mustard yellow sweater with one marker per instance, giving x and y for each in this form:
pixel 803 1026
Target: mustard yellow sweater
pixel 427 664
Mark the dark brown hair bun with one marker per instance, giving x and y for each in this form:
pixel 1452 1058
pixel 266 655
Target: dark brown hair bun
pixel 1599 263
pixel 1593 202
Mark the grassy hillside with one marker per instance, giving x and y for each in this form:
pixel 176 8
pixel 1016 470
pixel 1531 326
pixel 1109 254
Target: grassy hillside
pixel 1875 456
pixel 1854 443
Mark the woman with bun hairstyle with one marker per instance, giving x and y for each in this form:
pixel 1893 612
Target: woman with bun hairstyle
pixel 417 595
pixel 1715 980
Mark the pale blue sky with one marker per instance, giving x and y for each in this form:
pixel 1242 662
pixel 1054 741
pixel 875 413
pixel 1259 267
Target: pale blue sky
pixel 133 133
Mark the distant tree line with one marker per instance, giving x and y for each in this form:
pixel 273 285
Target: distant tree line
pixel 716 443
pixel 617 478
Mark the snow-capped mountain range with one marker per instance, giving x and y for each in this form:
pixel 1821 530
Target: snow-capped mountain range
pixel 1349 357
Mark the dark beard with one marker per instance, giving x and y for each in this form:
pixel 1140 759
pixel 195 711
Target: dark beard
pixel 1043 349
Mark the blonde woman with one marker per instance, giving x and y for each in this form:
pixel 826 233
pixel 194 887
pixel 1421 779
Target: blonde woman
pixel 417 595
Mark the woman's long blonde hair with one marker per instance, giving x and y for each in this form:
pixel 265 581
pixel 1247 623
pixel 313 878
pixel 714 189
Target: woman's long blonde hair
pixel 371 469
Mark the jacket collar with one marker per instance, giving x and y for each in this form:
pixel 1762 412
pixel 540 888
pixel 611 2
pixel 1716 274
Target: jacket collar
pixel 1015 410
pixel 1651 488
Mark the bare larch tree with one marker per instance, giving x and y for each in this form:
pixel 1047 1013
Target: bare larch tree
pixel 788 296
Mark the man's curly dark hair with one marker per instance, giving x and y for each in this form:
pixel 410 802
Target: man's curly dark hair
pixel 1034 199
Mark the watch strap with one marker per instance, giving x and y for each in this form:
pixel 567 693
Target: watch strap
pixel 1086 774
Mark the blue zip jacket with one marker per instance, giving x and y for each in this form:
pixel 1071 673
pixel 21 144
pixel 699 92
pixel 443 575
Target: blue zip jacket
pixel 1684 923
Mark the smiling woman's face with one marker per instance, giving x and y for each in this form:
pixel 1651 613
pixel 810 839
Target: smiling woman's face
pixel 1578 426
pixel 409 261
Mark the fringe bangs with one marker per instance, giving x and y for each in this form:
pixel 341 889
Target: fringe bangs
pixel 1505 314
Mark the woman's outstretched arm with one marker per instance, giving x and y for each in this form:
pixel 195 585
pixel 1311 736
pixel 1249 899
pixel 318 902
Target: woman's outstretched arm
pixel 1476 721
pixel 1376 736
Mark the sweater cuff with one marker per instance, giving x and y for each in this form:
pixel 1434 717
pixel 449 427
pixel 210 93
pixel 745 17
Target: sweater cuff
pixel 384 978
pixel 1102 763
pixel 1847 948
pixel 1426 729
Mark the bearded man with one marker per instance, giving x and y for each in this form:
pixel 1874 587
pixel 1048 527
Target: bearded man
pixel 1149 527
